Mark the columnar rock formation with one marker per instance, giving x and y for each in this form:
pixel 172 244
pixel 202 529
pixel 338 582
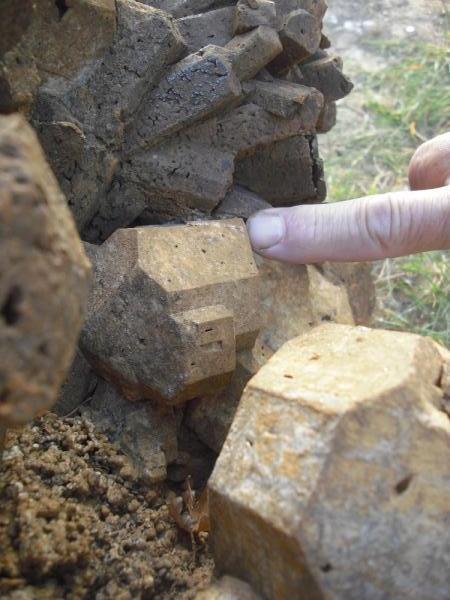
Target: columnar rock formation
pixel 169 112
pixel 333 481
pixel 44 276
pixel 167 123
pixel 158 115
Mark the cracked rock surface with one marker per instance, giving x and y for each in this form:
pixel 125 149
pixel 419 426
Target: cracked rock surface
pixel 161 107
pixel 343 442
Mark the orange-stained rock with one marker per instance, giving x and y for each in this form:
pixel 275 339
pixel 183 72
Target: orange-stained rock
pixel 170 308
pixel 44 278
pixel 334 479
pixel 295 298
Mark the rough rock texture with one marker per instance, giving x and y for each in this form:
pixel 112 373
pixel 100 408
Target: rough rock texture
pixel 273 173
pixel 144 432
pixel 26 63
pixel 294 299
pixel 78 522
pixel 228 588
pixel 44 277
pixel 78 386
pixel 240 202
pixel 161 107
pixel 338 464
pixel 210 417
pixel 253 13
pixel 153 437
pixel 170 307
pixel 357 279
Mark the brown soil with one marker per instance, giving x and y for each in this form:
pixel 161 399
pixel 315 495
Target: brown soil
pixel 77 522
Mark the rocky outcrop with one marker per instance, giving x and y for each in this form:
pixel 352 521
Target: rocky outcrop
pixel 161 108
pixel 44 277
pixel 333 481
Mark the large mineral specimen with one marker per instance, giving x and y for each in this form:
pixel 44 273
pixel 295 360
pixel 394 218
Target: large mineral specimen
pixel 44 277
pixel 334 479
pixel 295 299
pixel 160 108
pixel 167 112
pixel 170 308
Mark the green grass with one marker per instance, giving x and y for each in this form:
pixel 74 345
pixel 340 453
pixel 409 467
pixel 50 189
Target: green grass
pixel 403 104
pixel 414 295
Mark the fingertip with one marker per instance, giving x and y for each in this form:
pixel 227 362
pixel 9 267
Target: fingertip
pixel 430 165
pixel 265 229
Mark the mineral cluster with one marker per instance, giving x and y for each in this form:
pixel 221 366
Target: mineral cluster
pixel 166 124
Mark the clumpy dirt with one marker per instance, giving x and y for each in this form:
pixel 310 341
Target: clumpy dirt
pixel 76 522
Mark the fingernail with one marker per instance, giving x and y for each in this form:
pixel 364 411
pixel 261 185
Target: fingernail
pixel 265 230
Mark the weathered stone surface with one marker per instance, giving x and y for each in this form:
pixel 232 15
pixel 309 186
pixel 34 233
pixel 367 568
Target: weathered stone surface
pixel 183 8
pixel 211 417
pixel 179 180
pixel 358 280
pixel 285 173
pixel 253 50
pixel 317 8
pixel 295 299
pixel 85 167
pixel 44 277
pixel 301 35
pixel 146 433
pixel 182 171
pixel 329 300
pixel 228 588
pixel 341 444
pixel 213 27
pixel 240 203
pixel 146 43
pixel 197 87
pixel 444 380
pixel 16 20
pixel 127 86
pixel 325 42
pixel 250 127
pixel 253 13
pixel 281 98
pixel 289 306
pixel 327 118
pixel 28 62
pixel 81 122
pixel 79 385
pixel 325 74
pixel 170 307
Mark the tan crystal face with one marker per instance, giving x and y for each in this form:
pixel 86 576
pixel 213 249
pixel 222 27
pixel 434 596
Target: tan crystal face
pixel 170 308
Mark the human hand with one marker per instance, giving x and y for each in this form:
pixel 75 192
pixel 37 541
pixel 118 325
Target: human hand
pixel 370 228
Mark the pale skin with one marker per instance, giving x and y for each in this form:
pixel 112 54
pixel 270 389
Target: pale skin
pixel 364 229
